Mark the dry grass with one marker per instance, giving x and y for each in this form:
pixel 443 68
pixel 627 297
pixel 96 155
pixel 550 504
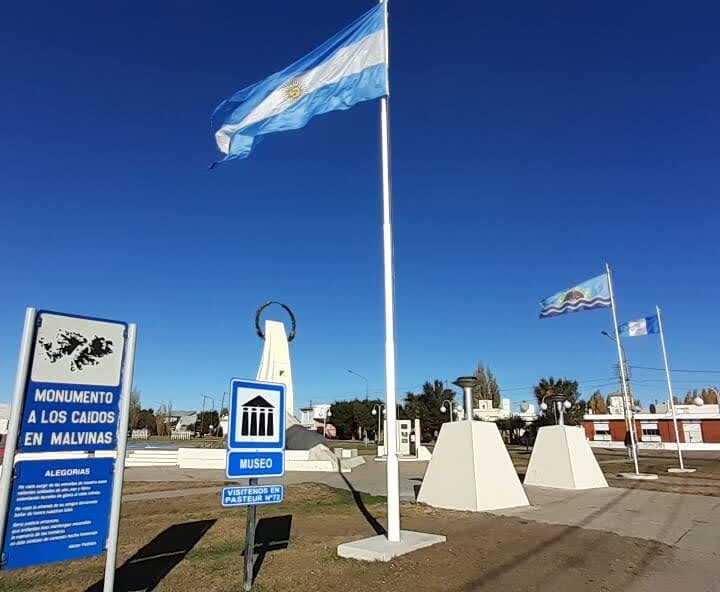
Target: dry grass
pixel 501 553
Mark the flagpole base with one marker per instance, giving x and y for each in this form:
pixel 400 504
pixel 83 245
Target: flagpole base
pixel 378 548
pixel 679 470
pixel 638 476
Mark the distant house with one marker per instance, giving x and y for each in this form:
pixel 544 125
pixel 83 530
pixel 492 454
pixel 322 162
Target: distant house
pixel 181 421
pixel 4 420
pixel 315 419
pixel 698 427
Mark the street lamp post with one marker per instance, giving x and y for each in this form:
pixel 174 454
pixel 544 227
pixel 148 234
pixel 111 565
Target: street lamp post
pixel 202 421
pixel 379 410
pixel 367 387
pixel 328 413
pixel 560 403
pixel 449 408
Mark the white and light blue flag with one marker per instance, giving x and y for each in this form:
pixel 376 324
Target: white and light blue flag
pixel 593 293
pixel 345 70
pixel 640 327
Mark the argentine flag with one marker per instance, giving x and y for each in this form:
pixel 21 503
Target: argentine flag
pixel 640 327
pixel 345 70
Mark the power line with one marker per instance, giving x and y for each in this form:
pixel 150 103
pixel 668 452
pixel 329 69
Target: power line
pixel 675 369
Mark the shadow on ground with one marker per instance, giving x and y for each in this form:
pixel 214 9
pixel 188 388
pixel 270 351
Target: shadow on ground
pixel 271 534
pixel 146 569
pixel 371 520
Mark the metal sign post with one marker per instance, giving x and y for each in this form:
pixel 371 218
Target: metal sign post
pixel 250 543
pixel 255 448
pixel 70 400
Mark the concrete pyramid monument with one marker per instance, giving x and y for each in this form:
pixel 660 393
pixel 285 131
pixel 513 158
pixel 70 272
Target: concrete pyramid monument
pixel 275 364
pixel 562 458
pixel 471 469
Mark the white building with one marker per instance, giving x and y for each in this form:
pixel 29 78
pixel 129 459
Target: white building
pixel 486 412
pixel 314 413
pixel 4 420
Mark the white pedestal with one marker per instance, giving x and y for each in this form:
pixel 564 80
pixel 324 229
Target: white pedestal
pixel 562 458
pixel 378 548
pixel 470 469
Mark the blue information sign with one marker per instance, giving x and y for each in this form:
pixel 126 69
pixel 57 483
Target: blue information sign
pixel 73 389
pixel 252 495
pixel 242 464
pixel 256 433
pixel 59 510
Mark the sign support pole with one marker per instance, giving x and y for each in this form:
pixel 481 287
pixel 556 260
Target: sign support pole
pixel 16 415
pixel 250 542
pixel 122 432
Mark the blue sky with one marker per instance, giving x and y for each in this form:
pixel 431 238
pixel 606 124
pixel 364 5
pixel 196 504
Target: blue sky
pixel 531 143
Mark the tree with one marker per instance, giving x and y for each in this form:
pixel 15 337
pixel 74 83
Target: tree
pixel 204 420
pixel 146 420
pixel 135 408
pixel 426 405
pixel 487 387
pixel 569 388
pixel 597 404
pixel 343 418
pixel 708 395
pixel 511 428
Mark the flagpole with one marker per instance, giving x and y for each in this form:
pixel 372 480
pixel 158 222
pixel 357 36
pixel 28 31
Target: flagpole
pixel 669 384
pixel 621 363
pixel 393 477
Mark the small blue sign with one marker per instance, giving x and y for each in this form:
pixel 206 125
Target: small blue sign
pixel 252 495
pixel 257 415
pixel 242 464
pixel 59 510
pixel 256 434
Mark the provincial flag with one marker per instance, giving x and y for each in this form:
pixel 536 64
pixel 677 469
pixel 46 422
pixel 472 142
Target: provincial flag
pixel 593 293
pixel 348 68
pixel 640 327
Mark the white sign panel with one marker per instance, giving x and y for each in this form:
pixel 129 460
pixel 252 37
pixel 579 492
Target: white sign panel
pixel 70 350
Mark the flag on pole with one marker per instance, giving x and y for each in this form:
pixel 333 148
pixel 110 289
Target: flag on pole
pixel 593 293
pixel 347 69
pixel 640 327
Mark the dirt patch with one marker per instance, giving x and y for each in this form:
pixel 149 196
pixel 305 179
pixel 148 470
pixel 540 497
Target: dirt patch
pixel 130 487
pixel 483 552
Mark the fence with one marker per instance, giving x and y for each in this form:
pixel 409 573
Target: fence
pixel 143 434
pixel 180 435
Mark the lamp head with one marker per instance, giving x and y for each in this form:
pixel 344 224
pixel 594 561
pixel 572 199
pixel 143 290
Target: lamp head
pixel 524 406
pixel 543 406
pixel 699 401
pixel 567 404
pixel 374 411
pixel 442 409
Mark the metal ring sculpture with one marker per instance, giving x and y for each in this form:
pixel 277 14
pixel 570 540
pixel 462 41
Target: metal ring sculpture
pixel 260 333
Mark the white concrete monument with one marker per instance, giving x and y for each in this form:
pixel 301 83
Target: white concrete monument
pixel 306 450
pixel 275 363
pixel 562 458
pixel 470 468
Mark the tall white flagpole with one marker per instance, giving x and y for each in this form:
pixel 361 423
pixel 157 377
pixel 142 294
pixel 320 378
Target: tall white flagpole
pixel 393 477
pixel 626 402
pixel 669 384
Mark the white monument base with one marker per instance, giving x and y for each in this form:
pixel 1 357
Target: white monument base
pixel 470 469
pixel 562 458
pixel 378 548
pixel 639 476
